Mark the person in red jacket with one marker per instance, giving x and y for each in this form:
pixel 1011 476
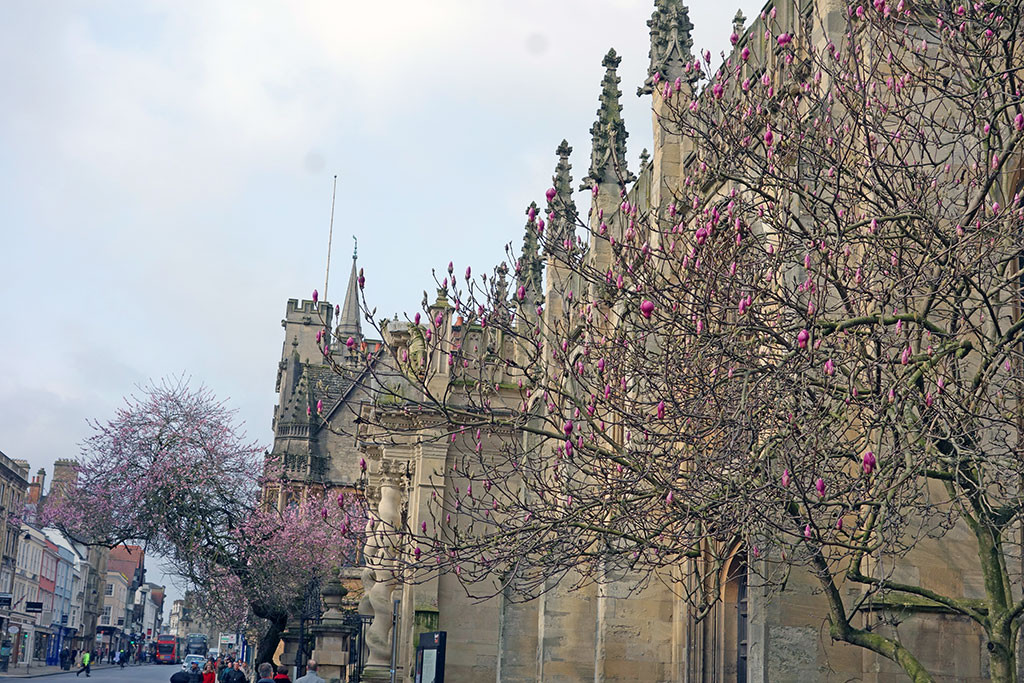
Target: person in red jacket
pixel 282 675
pixel 209 672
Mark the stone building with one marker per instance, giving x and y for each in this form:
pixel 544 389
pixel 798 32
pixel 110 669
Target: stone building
pixel 13 488
pixel 609 631
pixel 606 631
pixel 314 449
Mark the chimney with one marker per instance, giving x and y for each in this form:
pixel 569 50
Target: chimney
pixel 35 490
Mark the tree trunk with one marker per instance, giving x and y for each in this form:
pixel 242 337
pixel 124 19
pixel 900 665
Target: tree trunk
pixel 276 623
pixel 1003 663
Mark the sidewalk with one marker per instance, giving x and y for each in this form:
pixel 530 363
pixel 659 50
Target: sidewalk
pixel 20 672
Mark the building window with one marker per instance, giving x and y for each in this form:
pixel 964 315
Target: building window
pixel 110 589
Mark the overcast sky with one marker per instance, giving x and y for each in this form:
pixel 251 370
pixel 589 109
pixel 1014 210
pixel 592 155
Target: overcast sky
pixel 165 174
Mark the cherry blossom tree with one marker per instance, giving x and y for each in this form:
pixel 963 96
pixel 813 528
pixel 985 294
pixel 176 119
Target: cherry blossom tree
pixel 172 469
pixel 809 350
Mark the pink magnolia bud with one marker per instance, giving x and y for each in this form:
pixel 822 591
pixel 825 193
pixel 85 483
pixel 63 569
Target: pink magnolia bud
pixel 416 319
pixel 567 427
pixel 745 54
pixel 669 498
pixel 469 272
pixel 550 194
pixel 362 464
pixel 350 342
pixel 785 478
pixel 316 296
pixel 784 39
pixel 451 267
pixel 646 308
pixel 869 462
pixel 905 356
pixel 661 410
pixel 830 367
pixel 807 531
pixel 819 486
pixel 319 407
pixel 416 553
pixel 802 338
pixel 521 292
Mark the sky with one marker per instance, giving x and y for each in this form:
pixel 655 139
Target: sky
pixel 166 172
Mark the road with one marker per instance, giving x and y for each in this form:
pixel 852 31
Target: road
pixel 149 673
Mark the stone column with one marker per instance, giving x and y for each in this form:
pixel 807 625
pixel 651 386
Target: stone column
pixel 331 651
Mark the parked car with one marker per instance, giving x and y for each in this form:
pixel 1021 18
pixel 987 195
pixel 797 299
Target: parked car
pixel 186 663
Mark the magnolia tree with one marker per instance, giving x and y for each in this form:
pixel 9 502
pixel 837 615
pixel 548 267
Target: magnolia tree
pixel 811 351
pixel 173 470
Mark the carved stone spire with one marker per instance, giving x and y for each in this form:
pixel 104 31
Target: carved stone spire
pixel 348 322
pixel 671 44
pixel 561 208
pixel 529 274
pixel 608 157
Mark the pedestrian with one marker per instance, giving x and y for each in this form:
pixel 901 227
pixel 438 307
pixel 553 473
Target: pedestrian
pixel 242 669
pixel 65 656
pixel 210 672
pixel 195 675
pixel 311 675
pixel 86 661
pixel 234 674
pixel 179 676
pixel 282 675
pixel 266 673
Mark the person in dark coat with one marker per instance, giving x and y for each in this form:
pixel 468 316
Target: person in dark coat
pixel 179 677
pixel 282 675
pixel 236 674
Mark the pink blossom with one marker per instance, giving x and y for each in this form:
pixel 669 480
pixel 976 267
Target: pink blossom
pixel 785 478
pixel 646 308
pixel 802 338
pixel 550 194
pixel 316 296
pixel 819 486
pixel 868 462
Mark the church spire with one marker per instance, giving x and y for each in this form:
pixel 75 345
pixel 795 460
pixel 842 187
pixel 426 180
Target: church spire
pixel 608 157
pixel 561 208
pixel 671 44
pixel 529 272
pixel 348 322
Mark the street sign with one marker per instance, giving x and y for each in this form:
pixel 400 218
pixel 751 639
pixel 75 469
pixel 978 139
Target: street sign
pixel 5 600
pixel 12 629
pixel 34 607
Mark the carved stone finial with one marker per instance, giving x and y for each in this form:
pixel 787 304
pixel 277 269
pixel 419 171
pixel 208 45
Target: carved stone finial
pixel 608 134
pixel 561 208
pixel 645 158
pixel 671 44
pixel 738 23
pixel 529 272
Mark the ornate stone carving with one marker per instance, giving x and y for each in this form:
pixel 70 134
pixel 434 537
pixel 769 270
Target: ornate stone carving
pixel 671 44
pixel 608 134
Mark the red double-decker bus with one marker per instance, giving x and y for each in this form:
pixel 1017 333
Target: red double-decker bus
pixel 167 651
